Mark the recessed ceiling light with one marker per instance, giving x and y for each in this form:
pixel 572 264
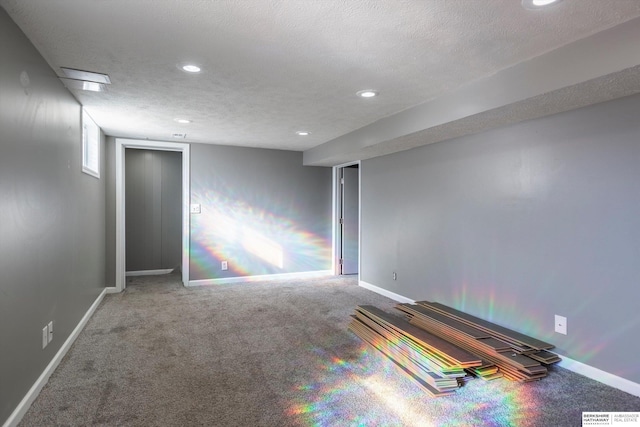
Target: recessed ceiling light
pixel 190 68
pixel 367 93
pixel 183 121
pixel 303 133
pixel 538 4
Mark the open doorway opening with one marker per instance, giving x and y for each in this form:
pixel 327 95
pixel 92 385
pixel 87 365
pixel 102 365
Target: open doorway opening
pixel 153 211
pixel 347 219
pixel 121 146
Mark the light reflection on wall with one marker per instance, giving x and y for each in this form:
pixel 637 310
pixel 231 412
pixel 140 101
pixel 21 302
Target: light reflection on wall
pixel 255 239
pixel 584 346
pixel 486 302
pixel 263 247
pixel 369 390
pixel 493 305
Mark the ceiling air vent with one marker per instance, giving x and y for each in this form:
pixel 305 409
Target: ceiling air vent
pixel 84 80
pixel 179 135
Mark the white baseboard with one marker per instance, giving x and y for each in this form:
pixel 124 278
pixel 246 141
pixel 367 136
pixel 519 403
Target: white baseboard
pixel 33 392
pixel 112 290
pixel 567 363
pixel 149 272
pixel 386 293
pixel 244 279
pixel 600 375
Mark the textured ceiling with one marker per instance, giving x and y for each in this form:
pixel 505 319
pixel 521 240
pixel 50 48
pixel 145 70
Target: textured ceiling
pixel 274 67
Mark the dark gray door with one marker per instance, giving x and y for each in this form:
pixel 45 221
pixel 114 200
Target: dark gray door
pixel 153 204
pixel 350 220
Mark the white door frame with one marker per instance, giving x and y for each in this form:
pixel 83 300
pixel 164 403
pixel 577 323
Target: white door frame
pixel 121 145
pixel 335 208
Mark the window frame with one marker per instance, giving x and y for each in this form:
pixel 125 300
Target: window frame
pixel 90 146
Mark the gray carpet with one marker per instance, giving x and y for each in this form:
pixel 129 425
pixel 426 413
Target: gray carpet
pixel 273 354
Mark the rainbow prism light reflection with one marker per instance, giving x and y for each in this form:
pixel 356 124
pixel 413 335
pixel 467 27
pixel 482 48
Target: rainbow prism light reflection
pixel 256 238
pixel 500 304
pixel 369 390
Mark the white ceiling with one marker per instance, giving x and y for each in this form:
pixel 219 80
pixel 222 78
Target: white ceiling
pixel 272 67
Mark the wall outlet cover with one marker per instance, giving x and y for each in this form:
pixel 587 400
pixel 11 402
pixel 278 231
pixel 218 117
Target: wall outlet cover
pixel 45 336
pixel 561 324
pixel 50 331
pixel 195 208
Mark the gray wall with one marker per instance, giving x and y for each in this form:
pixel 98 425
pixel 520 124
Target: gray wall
pixel 52 221
pixel 262 211
pixel 518 224
pixel 153 204
pixel 253 201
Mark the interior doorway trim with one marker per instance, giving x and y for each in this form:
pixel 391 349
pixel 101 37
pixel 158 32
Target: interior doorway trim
pixel 121 145
pixel 335 209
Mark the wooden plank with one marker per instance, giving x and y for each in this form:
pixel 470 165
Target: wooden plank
pixel 496 344
pixel 484 371
pixel 481 323
pixel 545 357
pixel 421 358
pixel 431 341
pixel 431 391
pixel 422 355
pixel 436 344
pixel 521 360
pixel 432 320
pixel 459 326
pixel 522 349
pixel 492 377
pixel 509 371
pixel 514 365
pixel 393 334
pixel 517 361
pixel 395 353
pixel 534 370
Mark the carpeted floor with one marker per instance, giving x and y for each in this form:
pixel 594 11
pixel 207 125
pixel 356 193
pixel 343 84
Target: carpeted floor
pixel 273 354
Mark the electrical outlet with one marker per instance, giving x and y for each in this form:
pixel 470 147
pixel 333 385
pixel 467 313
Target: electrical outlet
pixel 224 265
pixel 561 324
pixel 45 336
pixel 50 330
pixel 395 276
pixel 195 208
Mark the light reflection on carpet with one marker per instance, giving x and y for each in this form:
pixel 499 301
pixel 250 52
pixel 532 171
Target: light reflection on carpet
pixel 369 390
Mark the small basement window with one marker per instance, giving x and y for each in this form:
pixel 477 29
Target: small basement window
pixel 90 146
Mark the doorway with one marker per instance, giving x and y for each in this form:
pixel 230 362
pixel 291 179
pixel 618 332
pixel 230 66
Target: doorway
pixel 153 210
pixel 347 219
pixel 121 145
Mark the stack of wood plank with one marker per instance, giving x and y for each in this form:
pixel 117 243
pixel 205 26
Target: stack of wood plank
pixel 435 364
pixel 517 356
